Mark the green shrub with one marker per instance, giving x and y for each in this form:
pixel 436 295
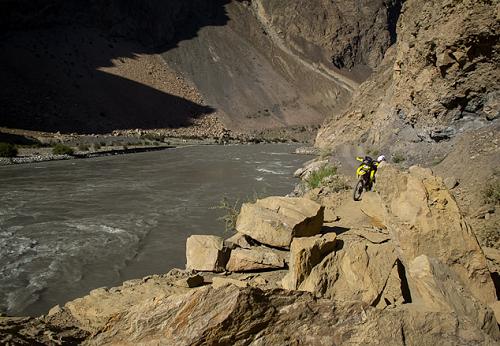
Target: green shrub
pixel 324 154
pixel 153 137
pixel 61 149
pixel 398 157
pixel 231 212
pixel 491 194
pixel 96 146
pixel 8 150
pixel 316 177
pixel 83 147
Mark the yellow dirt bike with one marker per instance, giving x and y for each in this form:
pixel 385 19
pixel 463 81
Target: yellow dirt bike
pixel 366 176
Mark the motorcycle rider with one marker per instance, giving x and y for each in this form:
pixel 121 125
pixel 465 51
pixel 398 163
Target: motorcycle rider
pixel 369 166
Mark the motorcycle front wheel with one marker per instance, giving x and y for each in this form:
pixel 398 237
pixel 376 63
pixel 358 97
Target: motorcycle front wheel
pixel 358 190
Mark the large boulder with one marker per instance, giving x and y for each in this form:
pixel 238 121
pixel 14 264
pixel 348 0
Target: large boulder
pixel 275 221
pixel 358 270
pixel 235 316
pixel 206 253
pixel 305 253
pixel 256 258
pixel 423 219
pixel 435 286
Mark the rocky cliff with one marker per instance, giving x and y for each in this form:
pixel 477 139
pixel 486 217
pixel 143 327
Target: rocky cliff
pixel 434 101
pixel 439 81
pixel 351 35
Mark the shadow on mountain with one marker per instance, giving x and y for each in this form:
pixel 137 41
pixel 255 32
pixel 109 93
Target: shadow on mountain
pixel 54 57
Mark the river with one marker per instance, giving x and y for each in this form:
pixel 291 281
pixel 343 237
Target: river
pixel 67 227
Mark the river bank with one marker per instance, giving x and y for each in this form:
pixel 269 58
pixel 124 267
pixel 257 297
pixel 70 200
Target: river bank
pixel 46 155
pixel 35 146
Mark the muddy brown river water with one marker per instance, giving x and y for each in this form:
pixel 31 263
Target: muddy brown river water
pixel 67 227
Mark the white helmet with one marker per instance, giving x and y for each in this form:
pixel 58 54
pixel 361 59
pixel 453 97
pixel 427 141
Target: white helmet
pixel 381 158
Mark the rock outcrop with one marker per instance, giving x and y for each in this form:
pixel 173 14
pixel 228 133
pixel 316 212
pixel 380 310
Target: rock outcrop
pixel 275 221
pixel 424 219
pixel 421 251
pixel 234 316
pixel 358 271
pixel 94 310
pixel 434 101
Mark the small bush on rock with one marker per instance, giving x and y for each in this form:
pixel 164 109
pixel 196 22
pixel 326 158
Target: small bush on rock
pixel 231 212
pixel 317 177
pixel 398 158
pixel 61 149
pixel 491 194
pixel 8 150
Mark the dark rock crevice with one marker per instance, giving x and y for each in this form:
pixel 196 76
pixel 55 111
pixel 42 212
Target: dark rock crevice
pixel 405 288
pixel 393 12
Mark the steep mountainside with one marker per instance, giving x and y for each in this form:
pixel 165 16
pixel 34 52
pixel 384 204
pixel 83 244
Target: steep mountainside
pixel 346 33
pixel 434 101
pixel 91 67
pixel 442 80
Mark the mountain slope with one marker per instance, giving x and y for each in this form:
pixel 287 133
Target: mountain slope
pixel 87 67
